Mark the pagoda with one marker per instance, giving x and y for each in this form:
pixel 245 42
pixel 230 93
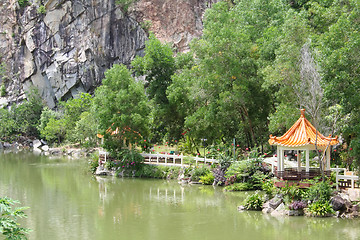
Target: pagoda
pixel 302 138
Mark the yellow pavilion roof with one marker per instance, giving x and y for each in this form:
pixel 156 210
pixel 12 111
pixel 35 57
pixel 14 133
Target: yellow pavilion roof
pixel 302 133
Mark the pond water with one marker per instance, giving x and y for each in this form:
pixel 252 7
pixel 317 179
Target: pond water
pixel 66 202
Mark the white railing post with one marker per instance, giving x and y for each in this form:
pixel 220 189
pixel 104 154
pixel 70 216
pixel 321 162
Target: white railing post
pixel 337 179
pixel 182 160
pixel 157 158
pixel 165 159
pixel 174 158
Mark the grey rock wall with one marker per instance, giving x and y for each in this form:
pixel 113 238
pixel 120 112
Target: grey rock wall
pixel 67 49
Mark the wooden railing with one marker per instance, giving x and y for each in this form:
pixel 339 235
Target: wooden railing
pixel 174 159
pixel 293 174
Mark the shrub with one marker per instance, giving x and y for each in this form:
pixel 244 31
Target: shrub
pixel 146 171
pixel 292 193
pixel 129 160
pixel 269 188
pixel 198 172
pixel 93 163
pixel 254 202
pixel 2 91
pixel 238 187
pixel 23 3
pixel 320 191
pixel 124 4
pixel 41 9
pixel 320 209
pixel 208 179
pixel 151 171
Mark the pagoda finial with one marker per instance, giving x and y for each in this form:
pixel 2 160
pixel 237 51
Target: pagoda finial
pixel 302 112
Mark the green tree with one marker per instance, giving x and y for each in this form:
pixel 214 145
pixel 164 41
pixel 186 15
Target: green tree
pixel 21 119
pixel 223 87
pixel 86 129
pixel 8 220
pixel 339 63
pixel 121 107
pixel 55 130
pixel 158 65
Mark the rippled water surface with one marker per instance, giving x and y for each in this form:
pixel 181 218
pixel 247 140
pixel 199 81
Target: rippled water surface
pixel 68 203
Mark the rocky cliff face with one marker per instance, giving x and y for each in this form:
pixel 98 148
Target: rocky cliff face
pixel 65 47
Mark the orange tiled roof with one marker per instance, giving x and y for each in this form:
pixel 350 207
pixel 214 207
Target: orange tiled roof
pixel 302 133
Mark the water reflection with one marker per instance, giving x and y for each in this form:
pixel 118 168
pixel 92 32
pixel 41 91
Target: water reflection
pixel 67 203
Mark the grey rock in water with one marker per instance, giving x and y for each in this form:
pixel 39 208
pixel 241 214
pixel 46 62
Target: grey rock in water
pixel 275 202
pixel 7 145
pixel 37 143
pixel 45 148
pixel 280 211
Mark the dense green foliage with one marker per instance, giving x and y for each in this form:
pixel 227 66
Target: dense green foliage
pixel 72 121
pixel 245 175
pixel 8 220
pixel 254 202
pixel 320 209
pixel 207 179
pixel 121 107
pixel 319 192
pixel 158 65
pixel 256 64
pixel 21 119
pixel 23 3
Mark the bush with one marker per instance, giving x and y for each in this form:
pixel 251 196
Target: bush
pixel 292 193
pixel 208 179
pixel 269 188
pixel 320 209
pixel 238 187
pixel 23 3
pixel 320 191
pixel 254 202
pixel 2 90
pixel 124 4
pixel 150 171
pixel 130 160
pixel 197 172
pixel 41 9
pixel 21 119
pixel 93 163
pixel 146 171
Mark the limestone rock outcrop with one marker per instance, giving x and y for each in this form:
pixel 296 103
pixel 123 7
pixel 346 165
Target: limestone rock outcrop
pixel 64 47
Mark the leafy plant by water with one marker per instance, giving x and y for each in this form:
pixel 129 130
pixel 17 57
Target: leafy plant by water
pixel 199 172
pixel 319 191
pixel 254 202
pixel 208 179
pixel 320 209
pixel 8 220
pixel 269 188
pixel 244 186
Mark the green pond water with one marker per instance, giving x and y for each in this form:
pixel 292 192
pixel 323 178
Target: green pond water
pixel 66 202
